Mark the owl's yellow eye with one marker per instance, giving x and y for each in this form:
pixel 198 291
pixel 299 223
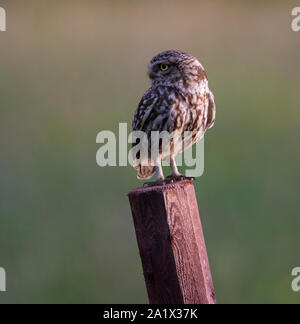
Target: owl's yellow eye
pixel 164 67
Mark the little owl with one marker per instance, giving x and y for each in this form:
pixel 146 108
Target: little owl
pixel 178 102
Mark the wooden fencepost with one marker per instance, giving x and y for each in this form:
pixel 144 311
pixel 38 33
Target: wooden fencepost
pixel 171 244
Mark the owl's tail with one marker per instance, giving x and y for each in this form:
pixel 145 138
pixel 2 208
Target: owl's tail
pixel 145 172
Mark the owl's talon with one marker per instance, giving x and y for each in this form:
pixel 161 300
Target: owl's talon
pixel 159 182
pixel 189 178
pixel 174 178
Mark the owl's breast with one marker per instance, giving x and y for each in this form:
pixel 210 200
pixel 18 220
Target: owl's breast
pixel 195 112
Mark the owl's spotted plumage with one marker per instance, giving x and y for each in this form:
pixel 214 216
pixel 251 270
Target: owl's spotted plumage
pixel 178 101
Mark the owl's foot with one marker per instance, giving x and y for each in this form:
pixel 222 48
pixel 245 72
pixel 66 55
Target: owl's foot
pixel 173 178
pixel 159 182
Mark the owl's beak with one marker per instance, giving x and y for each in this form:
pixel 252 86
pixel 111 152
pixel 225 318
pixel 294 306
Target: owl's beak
pixel 151 74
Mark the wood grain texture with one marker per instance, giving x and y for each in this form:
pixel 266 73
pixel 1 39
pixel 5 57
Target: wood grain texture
pixel 171 244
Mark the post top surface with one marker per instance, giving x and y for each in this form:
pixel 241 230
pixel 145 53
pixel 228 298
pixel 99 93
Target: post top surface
pixel 174 185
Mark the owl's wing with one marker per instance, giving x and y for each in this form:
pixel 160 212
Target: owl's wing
pixel 211 112
pixel 153 113
pixel 144 110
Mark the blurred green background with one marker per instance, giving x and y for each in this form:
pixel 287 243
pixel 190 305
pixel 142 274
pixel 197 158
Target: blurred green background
pixel 69 69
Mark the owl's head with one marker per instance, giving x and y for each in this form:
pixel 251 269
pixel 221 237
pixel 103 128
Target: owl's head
pixel 175 67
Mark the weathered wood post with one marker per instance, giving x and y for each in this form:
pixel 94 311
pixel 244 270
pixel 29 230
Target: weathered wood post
pixel 171 244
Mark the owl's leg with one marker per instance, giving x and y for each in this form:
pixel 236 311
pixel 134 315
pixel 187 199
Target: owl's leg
pixel 174 168
pixel 176 175
pixel 160 179
pixel 159 171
